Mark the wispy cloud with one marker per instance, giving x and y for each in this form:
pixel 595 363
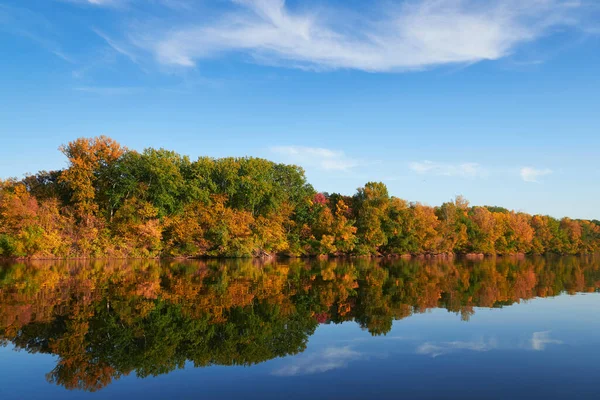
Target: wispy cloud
pixel 331 358
pixel 467 169
pixel 317 157
pixel 33 26
pixel 103 2
pixel 109 91
pixel 417 34
pixel 380 338
pixel 100 3
pixel 438 349
pixel 539 340
pixel 118 47
pixel 530 174
pixel 123 4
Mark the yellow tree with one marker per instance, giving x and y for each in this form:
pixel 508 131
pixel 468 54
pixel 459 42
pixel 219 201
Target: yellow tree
pixel 343 230
pixel 88 178
pixel 482 235
pixel 425 225
pixel 138 227
pixel 88 160
pixel 452 228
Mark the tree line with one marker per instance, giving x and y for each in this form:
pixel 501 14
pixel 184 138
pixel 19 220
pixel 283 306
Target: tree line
pixel 114 202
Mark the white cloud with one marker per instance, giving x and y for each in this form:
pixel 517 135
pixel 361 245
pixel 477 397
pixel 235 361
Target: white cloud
pixel 438 349
pixel 529 174
pixel 415 35
pixel 539 340
pixel 101 3
pixel 124 4
pixel 467 169
pixel 119 48
pixel 331 358
pixel 325 159
pixel 109 91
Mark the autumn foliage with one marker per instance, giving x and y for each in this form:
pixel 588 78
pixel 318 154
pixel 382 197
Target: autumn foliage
pixel 115 202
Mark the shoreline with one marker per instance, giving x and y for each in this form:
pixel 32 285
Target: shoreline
pixel 423 256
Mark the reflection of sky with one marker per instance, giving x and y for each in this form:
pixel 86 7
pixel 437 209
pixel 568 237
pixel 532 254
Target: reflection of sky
pixel 541 348
pixel 532 325
pixel 323 360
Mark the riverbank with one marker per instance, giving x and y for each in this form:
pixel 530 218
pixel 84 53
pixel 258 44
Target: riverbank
pixel 468 256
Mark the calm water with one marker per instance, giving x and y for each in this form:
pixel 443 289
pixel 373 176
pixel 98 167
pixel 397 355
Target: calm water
pixel 487 329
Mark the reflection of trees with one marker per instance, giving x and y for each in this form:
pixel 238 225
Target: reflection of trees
pixel 108 319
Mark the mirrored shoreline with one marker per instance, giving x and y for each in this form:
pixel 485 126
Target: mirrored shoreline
pixel 104 320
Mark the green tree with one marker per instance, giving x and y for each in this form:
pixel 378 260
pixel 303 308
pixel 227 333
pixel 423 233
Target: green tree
pixel 370 205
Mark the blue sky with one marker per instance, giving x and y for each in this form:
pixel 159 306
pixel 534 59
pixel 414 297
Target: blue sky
pixel 497 100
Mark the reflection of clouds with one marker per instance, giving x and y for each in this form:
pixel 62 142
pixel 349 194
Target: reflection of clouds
pixel 379 338
pixel 539 340
pixel 331 358
pixel 437 349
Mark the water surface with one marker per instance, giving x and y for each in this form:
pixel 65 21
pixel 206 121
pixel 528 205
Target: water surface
pixel 493 328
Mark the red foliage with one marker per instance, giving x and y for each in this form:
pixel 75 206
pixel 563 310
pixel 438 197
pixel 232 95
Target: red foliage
pixel 320 199
pixel 322 317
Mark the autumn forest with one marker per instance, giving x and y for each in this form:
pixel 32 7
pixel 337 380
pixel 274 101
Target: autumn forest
pixel 115 202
